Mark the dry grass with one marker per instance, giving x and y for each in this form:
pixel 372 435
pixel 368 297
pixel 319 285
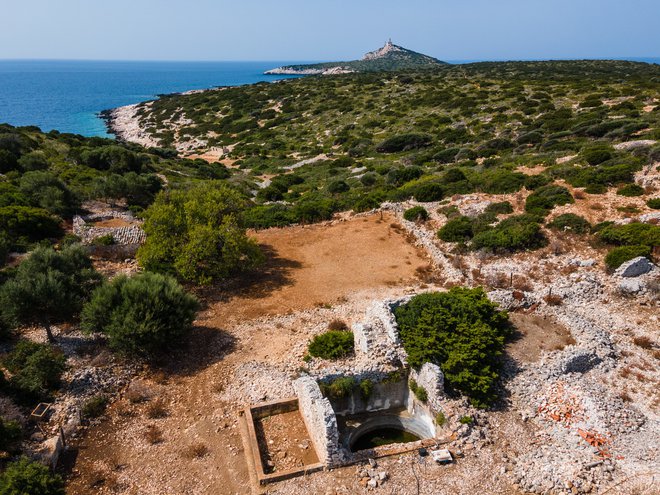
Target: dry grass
pixel 522 283
pixel 625 396
pixel 195 451
pixel 337 324
pixel 156 410
pixel 138 392
pixel 553 300
pixel 644 342
pixel 153 435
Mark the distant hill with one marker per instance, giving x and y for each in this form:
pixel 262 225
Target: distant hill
pixel 389 57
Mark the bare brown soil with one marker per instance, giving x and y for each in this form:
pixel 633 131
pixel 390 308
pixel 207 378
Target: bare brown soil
pixel 284 442
pixel 112 223
pixel 308 269
pixel 535 335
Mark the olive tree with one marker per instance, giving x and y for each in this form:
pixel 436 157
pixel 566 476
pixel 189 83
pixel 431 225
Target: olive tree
pixel 142 314
pixel 49 287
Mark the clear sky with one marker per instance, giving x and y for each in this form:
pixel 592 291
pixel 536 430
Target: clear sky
pixel 327 29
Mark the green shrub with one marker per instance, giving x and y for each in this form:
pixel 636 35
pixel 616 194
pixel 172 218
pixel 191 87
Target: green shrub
pixel 404 142
pixel 366 388
pixel 516 233
pixel 640 234
pixel 596 155
pixel 10 435
pixel 502 207
pixel 416 213
pixel 419 391
pixel 595 189
pixel 95 407
pixel 428 191
pixel 630 190
pixel 440 419
pixel 541 201
pixel 533 182
pixel 104 240
pixel 466 420
pixel 36 370
pixel 457 229
pixel 25 224
pixel 333 344
pixel 141 315
pixel 26 477
pixel 462 332
pixel 653 203
pixel 338 187
pixel 619 255
pixel 502 182
pixel 197 234
pixel 571 222
pixel 339 388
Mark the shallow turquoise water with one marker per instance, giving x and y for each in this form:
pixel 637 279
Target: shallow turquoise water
pixel 68 95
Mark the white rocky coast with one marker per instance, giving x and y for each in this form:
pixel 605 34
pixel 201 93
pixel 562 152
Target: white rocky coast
pixel 125 124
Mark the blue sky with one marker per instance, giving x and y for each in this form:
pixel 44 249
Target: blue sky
pixel 327 29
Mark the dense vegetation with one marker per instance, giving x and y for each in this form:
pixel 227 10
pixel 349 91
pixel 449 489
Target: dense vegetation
pixel 24 477
pixel 424 134
pixel 462 332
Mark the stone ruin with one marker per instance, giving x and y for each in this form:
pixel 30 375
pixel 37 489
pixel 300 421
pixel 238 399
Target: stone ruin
pixel 126 238
pixel 335 424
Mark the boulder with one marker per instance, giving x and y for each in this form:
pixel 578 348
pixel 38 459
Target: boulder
pixel 634 267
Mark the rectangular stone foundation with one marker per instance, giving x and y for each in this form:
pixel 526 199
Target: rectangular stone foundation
pixel 258 412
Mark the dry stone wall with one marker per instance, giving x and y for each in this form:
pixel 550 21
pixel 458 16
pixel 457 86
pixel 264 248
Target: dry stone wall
pixel 320 420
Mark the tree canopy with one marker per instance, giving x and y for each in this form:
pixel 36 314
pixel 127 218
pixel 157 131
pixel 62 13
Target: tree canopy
pixel 462 332
pixel 197 233
pixel 49 286
pixel 142 314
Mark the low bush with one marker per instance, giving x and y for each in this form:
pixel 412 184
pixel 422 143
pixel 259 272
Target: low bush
pixel 457 229
pixel 339 388
pixel 404 142
pixel 466 420
pixel 570 222
pixel 10 435
pixel 630 190
pixel 636 233
pixel 338 187
pixel 26 477
pixel 619 255
pixel 104 240
pixel 416 214
pixel 653 203
pixel 366 388
pixel 545 198
pixel 595 189
pixel 428 191
pixel 36 370
pixel 512 234
pixel 337 324
pixel 596 155
pixel 333 344
pixel 440 419
pixel 95 407
pixel 501 208
pixel 419 391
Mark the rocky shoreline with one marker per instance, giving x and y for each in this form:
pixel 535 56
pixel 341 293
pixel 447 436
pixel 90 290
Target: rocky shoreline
pixel 124 123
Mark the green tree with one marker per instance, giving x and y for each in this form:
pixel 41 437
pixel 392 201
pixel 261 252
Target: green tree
pixel 48 287
pixel 462 332
pixel 26 477
pixel 48 192
pixel 141 315
pixel 198 234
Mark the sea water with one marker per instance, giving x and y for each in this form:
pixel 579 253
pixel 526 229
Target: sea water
pixel 68 95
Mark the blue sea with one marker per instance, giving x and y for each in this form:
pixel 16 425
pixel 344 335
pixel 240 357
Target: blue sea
pixel 68 95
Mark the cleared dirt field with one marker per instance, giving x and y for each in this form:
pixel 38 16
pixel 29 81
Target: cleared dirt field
pixel 199 450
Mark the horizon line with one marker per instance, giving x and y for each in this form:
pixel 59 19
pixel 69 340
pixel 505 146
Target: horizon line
pixel 633 58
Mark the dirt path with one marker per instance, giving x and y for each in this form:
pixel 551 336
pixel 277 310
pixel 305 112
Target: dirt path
pixel 190 443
